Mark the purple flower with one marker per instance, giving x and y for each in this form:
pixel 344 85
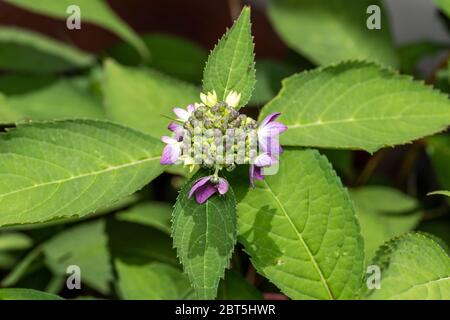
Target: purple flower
pixel 177 129
pixel 268 143
pixel 172 150
pixel 204 188
pixel 183 115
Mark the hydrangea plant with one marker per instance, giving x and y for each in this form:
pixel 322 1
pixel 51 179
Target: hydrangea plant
pixel 260 182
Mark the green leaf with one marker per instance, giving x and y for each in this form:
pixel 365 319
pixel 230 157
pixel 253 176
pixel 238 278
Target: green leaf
pixel 141 98
pixel 153 214
pixel 441 192
pixel 300 229
pixel 138 244
pixel 7 113
pixel 444 5
pixel 71 168
pixel 330 31
pixel 153 281
pixel 27 51
pixel 383 213
pixel 413 267
pixel 85 246
pixel 204 235
pixel 63 99
pixel 14 241
pixel 92 11
pixel 231 66
pixel 236 287
pixel 16 84
pixel 172 55
pixel 438 148
pixel 268 80
pixel 26 294
pixel 357 105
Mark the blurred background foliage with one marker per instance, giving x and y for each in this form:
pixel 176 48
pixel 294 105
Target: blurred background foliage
pixel 131 62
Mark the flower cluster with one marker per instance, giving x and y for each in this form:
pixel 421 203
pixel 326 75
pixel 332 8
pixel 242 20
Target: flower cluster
pixel 214 135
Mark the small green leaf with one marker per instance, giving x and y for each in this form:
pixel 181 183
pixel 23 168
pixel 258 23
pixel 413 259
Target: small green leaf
pixel 26 294
pixel 143 98
pixel 153 214
pixel 413 267
pixel 444 5
pixel 330 31
pixel 441 192
pixel 381 220
pixel 300 229
pixel 14 241
pixel 152 281
pixel 27 51
pixel 92 11
pixel 357 105
pixel 204 235
pixel 63 99
pixel 16 84
pixel 85 246
pixel 236 287
pixel 231 65
pixel 72 167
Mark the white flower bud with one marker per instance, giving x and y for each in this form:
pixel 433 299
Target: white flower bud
pixel 233 99
pixel 209 99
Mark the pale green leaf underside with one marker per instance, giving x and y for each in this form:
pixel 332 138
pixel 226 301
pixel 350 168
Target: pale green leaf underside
pixel 23 50
pixel 26 294
pixel 86 246
pixel 414 267
pixel 357 105
pixel 143 99
pixel 204 235
pixel 153 214
pixel 14 241
pixel 74 167
pixel 330 31
pixel 300 229
pixel 383 213
pixel 93 11
pixel 152 281
pixel 231 66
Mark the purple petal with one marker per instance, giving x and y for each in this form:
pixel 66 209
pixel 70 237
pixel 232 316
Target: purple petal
pixel 190 108
pixel 263 160
pixel 168 140
pixel 205 192
pixel 170 154
pixel 177 129
pixel 222 186
pixel 182 114
pixel 275 128
pixel 268 144
pixel 255 173
pixel 269 118
pixel 197 184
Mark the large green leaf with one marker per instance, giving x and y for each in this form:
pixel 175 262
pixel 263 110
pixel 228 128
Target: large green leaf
pixel 16 84
pixel 22 50
pixel 172 55
pixel 357 105
pixel 141 98
pixel 329 31
pixel 300 229
pixel 231 66
pixel 85 246
pixel 26 294
pixel 7 113
pixel 152 281
pixel 204 235
pixel 413 267
pixel 92 11
pixel 63 99
pixel 153 214
pixel 438 147
pixel 60 169
pixel 383 213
